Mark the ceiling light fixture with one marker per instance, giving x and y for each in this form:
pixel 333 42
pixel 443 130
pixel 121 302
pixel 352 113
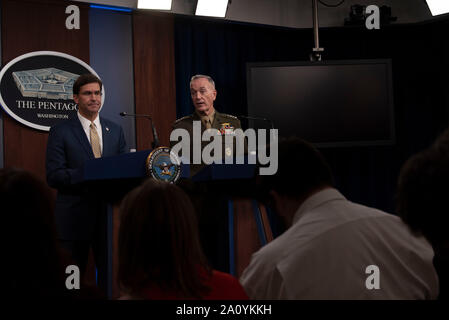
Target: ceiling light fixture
pixel 211 8
pixel 154 4
pixel 438 7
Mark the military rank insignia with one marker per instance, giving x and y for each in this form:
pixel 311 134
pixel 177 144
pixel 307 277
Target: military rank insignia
pixel 226 128
pixel 163 165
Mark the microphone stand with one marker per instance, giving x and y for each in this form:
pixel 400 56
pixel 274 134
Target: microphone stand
pixel 155 143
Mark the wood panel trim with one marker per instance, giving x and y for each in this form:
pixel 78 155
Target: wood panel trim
pixel 44 29
pixel 154 75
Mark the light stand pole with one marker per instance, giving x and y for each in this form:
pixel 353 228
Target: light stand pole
pixel 316 52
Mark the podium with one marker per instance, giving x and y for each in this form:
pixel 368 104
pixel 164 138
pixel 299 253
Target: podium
pixel 113 177
pixel 124 166
pixel 231 229
pixel 245 225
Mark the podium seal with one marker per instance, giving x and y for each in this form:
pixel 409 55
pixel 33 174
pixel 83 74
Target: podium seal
pixel 163 165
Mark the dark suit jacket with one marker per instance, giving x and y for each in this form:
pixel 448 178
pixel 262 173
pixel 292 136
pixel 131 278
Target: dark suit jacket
pixel 68 148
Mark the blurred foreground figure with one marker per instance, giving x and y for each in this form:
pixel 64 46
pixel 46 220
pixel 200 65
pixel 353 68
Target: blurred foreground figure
pixel 34 268
pixel 333 248
pixel 34 262
pixel 160 256
pixel 423 201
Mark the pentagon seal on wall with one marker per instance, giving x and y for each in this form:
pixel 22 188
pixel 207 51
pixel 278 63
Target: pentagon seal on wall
pixel 36 88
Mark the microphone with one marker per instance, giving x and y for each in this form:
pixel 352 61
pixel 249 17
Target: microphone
pixel 155 142
pixel 258 118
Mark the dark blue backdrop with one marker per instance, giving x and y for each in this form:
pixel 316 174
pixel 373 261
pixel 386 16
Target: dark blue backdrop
pixel 420 62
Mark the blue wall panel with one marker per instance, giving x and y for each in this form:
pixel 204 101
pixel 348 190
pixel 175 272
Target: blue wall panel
pixel 111 56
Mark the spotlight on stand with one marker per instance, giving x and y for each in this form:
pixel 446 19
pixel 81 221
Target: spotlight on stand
pixel 154 4
pixel 356 15
pixel 385 16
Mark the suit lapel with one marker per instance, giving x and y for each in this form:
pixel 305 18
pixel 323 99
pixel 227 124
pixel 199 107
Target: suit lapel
pixel 106 134
pixel 79 133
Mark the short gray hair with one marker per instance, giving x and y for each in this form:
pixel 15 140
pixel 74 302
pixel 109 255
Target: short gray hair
pixel 199 76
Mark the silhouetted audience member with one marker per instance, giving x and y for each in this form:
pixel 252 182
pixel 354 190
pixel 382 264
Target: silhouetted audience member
pixel 160 256
pixel 423 201
pixel 333 248
pixel 34 263
pixel 29 249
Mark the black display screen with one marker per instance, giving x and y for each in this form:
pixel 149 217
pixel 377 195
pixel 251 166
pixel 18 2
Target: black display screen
pixel 335 103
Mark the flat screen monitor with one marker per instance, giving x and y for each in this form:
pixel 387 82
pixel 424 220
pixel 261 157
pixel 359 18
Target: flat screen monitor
pixel 332 103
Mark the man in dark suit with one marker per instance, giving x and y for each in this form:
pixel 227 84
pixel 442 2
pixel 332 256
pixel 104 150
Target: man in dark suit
pixel 79 211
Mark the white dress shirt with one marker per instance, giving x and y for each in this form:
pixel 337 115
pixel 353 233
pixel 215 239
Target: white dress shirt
pixel 325 254
pixel 85 123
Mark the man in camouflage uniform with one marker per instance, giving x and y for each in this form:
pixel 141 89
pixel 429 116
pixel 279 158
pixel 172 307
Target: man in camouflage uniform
pixel 203 93
pixel 210 202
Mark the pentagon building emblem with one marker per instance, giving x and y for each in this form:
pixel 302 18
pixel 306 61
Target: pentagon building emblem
pixel 36 88
pixel 49 83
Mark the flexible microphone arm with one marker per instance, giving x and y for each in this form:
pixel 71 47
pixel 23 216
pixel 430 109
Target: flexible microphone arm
pixel 155 142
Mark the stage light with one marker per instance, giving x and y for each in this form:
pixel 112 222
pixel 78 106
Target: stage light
pixel 438 6
pixel 154 4
pixel 211 8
